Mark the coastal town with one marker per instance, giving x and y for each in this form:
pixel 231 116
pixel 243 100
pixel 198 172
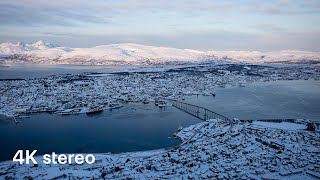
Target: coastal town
pixel 152 90
pixel 94 92
pixel 213 149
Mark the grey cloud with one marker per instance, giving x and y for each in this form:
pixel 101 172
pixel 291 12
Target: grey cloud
pixel 71 12
pixel 288 7
pixel 268 27
pixel 26 15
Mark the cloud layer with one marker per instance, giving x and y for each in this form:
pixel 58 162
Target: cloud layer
pixel 205 24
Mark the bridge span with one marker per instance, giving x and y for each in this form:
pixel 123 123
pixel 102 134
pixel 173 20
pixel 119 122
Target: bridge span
pixel 197 111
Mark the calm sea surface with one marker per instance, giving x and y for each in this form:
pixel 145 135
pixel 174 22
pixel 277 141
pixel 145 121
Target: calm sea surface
pixel 135 127
pixel 138 127
pixel 266 100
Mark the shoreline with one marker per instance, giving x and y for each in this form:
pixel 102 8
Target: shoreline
pixel 116 165
pixel 210 149
pixel 119 104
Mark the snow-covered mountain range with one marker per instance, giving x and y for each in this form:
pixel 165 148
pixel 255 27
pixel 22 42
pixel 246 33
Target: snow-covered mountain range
pixel 129 53
pixel 11 48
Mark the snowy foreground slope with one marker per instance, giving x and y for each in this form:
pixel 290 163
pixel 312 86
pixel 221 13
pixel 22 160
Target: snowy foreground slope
pixel 210 150
pixel 129 53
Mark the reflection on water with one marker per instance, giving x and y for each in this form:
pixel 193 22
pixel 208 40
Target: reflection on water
pixel 279 99
pixel 134 127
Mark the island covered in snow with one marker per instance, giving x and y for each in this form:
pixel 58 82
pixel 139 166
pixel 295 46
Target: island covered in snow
pixel 136 54
pixel 90 92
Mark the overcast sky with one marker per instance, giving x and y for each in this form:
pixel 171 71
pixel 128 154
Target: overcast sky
pixel 263 25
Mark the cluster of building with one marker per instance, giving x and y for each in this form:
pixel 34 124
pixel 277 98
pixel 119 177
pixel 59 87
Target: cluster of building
pixel 92 92
pixel 213 149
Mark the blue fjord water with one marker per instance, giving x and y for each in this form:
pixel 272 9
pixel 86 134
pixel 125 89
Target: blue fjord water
pixel 266 100
pixel 135 127
pixel 138 127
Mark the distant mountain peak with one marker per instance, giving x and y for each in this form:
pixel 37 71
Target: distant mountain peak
pixel 131 53
pixel 21 44
pixel 20 47
pixel 42 45
pixel 40 42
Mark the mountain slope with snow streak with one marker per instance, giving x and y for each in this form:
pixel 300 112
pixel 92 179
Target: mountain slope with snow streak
pixel 130 53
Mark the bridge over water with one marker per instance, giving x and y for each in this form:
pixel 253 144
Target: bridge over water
pixel 197 111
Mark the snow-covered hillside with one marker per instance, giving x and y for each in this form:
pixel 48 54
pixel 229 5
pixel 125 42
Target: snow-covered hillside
pixel 267 57
pixel 11 48
pixel 129 53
